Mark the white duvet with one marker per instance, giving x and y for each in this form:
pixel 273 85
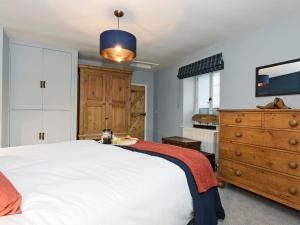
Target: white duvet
pixel 86 183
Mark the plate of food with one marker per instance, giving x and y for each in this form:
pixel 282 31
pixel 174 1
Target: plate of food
pixel 127 140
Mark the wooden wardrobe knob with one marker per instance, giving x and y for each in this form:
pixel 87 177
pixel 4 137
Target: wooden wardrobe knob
pixel 293 165
pixel 238 120
pixel 293 123
pixel 238 152
pixel 292 190
pixel 238 173
pixel 238 134
pixel 293 141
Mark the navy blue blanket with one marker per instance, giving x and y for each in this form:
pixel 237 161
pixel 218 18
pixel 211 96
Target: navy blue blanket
pixel 207 206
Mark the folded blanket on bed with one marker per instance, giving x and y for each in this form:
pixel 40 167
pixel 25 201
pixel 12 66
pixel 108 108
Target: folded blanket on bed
pixel 197 162
pixel 200 177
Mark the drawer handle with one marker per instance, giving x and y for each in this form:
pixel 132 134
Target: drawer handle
pixel 238 134
pixel 293 165
pixel 293 141
pixel 292 190
pixel 238 173
pixel 238 120
pixel 238 152
pixel 293 123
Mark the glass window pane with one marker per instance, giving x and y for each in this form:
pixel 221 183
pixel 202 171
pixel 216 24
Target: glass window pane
pixel 203 93
pixel 216 89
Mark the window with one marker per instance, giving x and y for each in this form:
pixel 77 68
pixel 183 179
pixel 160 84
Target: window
pixel 208 93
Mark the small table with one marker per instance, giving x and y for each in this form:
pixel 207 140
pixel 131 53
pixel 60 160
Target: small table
pixel 191 144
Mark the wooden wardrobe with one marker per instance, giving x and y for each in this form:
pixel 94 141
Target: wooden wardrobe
pixel 104 101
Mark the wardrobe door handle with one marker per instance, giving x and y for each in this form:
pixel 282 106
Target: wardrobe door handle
pixel 43 136
pixel 42 84
pixel 293 165
pixel 40 135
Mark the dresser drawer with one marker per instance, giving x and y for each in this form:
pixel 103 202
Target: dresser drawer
pixel 276 185
pixel 280 161
pixel 282 120
pixel 252 119
pixel 289 140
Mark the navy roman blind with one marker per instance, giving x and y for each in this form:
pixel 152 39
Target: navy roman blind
pixel 207 65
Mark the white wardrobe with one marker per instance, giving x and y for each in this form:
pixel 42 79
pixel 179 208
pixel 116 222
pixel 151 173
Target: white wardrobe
pixel 43 87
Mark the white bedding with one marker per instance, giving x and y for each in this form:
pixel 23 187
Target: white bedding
pixel 86 183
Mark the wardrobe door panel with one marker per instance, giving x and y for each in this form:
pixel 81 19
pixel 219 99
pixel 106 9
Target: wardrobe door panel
pixel 119 102
pixel 25 126
pixel 56 126
pixel 26 73
pixel 92 104
pixel 118 120
pixel 58 77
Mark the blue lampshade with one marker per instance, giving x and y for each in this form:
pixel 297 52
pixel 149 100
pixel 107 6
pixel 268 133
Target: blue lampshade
pixel 117 45
pixel 263 80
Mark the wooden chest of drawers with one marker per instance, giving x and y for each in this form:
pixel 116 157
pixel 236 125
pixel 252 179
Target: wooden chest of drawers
pixel 259 151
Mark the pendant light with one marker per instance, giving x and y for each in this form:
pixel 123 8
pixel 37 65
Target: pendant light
pixel 118 45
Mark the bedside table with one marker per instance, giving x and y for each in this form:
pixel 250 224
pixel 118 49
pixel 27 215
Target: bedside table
pixel 191 144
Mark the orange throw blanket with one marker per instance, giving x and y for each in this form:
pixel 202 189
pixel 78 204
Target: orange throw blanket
pixel 195 160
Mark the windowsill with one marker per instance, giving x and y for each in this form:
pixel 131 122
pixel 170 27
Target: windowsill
pixel 202 129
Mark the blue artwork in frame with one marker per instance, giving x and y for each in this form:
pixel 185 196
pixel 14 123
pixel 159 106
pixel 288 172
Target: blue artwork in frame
pixel 278 79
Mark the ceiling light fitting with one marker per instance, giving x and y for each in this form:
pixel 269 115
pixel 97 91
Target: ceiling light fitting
pixel 118 45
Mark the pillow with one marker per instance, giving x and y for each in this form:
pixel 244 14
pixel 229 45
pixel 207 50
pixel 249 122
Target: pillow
pixel 10 199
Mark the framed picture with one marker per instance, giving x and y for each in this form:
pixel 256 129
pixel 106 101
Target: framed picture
pixel 278 79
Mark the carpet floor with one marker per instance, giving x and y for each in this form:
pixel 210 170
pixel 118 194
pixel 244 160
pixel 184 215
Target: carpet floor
pixel 244 208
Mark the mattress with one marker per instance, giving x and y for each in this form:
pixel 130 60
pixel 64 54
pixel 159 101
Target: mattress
pixel 86 183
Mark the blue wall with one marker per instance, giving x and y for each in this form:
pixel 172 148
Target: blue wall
pixel 242 54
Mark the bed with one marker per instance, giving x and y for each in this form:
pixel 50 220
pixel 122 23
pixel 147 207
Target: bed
pixel 86 183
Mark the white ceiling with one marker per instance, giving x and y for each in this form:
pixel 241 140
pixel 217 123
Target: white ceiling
pixel 166 30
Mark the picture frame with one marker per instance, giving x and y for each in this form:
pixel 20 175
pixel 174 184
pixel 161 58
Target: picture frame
pixel 278 79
